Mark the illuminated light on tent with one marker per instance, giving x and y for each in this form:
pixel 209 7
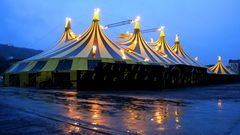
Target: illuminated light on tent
pixel 196 59
pixel 136 26
pixel 94 49
pixel 137 19
pixel 151 40
pixel 146 60
pixel 162 34
pixel 104 27
pixel 178 50
pixel 219 68
pixel 165 55
pixel 96 14
pixel 123 54
pixel 68 22
pixel 219 58
pixel 177 38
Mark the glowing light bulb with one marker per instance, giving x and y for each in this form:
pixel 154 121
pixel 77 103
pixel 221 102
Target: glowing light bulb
pixel 123 54
pixel 68 20
pixel 137 19
pixel 94 48
pixel 196 58
pixel 96 14
pixel 146 59
pixel 219 58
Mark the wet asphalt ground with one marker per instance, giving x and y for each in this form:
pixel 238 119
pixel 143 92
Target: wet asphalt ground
pixel 186 111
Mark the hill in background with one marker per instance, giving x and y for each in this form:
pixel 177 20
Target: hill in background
pixel 10 54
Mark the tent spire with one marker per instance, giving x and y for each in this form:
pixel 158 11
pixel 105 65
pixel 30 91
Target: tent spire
pixel 219 58
pixel 96 14
pixel 136 26
pixel 68 23
pixel 162 34
pixel 177 38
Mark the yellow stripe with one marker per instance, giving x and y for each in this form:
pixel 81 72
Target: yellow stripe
pixel 102 49
pixel 51 65
pixel 108 60
pixel 80 64
pixel 88 48
pixel 30 66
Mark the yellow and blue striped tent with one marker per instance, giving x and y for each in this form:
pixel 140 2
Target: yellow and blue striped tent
pixel 177 49
pixel 137 44
pixel 161 47
pixel 219 68
pixel 79 53
pixel 68 34
pixel 67 38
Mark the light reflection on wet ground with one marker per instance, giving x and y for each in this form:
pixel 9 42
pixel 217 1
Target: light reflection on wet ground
pixel 205 110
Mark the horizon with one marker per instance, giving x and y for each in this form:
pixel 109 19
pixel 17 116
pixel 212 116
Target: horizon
pixel 40 25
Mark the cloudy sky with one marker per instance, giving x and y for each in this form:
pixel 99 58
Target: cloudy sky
pixel 207 28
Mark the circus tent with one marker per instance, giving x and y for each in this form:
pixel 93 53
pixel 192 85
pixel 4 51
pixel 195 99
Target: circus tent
pixel 137 44
pixel 74 53
pixel 161 47
pixel 219 68
pixel 177 49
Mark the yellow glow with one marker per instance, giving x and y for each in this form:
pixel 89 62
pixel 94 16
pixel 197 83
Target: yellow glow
pixel 162 34
pixel 135 42
pixel 165 55
pixel 96 14
pixel 136 26
pixel 103 27
pixel 146 59
pixel 177 119
pixel 219 58
pixel 123 54
pixel 94 48
pixel 68 21
pixel 130 51
pixel 177 38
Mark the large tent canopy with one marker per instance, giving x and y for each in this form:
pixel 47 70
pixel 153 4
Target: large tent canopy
pixel 177 49
pixel 219 68
pixel 137 44
pixel 71 52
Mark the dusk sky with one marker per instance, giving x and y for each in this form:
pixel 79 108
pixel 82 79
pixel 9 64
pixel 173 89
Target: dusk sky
pixel 207 28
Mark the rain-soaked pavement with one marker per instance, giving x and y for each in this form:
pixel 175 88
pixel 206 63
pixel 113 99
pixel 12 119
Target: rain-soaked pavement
pixel 212 110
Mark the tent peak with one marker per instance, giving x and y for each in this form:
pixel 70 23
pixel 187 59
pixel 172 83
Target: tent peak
pixel 161 29
pixel 136 26
pixel 177 38
pixel 68 23
pixel 96 14
pixel 219 58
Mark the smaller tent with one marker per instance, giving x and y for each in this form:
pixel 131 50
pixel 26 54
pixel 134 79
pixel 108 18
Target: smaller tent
pixel 219 68
pixel 161 47
pixel 177 49
pixel 137 44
